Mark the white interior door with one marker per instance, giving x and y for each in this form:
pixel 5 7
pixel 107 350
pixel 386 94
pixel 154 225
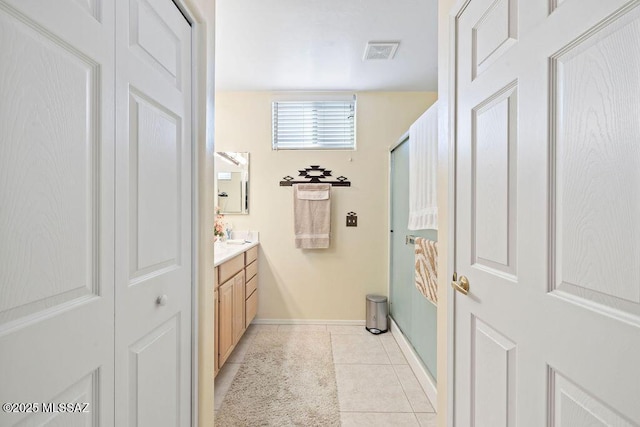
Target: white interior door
pixel 56 210
pixel 547 213
pixel 153 215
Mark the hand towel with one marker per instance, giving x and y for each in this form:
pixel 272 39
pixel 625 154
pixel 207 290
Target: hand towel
pixel 423 171
pixel 426 254
pixel 312 215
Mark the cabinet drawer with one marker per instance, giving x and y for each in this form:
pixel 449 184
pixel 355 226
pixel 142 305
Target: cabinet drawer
pixel 228 269
pixel 252 270
pixel 251 308
pixel 251 255
pixel 215 278
pixel 251 286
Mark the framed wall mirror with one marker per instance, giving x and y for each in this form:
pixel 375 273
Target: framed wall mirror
pixel 232 182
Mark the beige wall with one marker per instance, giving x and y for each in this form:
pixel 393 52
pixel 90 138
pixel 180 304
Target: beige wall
pixel 326 284
pixel 445 138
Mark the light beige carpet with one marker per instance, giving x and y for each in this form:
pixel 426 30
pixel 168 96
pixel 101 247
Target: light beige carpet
pixel 286 379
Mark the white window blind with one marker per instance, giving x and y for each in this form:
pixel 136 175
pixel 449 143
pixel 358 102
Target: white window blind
pixel 314 125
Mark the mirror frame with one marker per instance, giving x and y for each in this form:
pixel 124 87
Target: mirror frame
pixel 229 158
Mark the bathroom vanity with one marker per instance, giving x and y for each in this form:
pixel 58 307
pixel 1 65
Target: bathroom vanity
pixel 235 296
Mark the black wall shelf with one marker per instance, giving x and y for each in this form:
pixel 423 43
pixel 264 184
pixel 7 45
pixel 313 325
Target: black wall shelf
pixel 315 175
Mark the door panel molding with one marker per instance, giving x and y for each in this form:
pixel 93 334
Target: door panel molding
pixel 84 394
pixel 571 405
pixel 66 209
pixel 157 158
pixel 584 130
pixel 494 183
pixel 154 368
pixel 493 376
pixel 154 41
pixel 494 33
pixel 91 7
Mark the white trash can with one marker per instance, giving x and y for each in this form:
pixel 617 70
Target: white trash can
pixel 377 313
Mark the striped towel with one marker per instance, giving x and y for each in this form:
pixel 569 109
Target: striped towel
pixel 427 268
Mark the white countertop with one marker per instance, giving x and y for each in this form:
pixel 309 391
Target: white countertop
pixel 222 251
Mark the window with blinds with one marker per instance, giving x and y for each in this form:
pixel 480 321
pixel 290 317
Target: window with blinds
pixel 314 125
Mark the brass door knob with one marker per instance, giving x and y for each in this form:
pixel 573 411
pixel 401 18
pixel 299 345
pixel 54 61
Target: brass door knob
pixel 461 285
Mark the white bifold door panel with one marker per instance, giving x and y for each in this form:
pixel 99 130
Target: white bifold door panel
pixel 56 211
pixel 548 213
pixel 153 216
pixel 95 212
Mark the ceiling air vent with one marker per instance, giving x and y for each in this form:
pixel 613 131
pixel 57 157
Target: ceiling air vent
pixel 380 50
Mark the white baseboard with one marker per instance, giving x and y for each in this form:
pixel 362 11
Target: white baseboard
pixel 424 377
pixel 308 322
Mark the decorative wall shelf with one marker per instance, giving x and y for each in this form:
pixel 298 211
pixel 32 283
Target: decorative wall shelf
pixel 315 175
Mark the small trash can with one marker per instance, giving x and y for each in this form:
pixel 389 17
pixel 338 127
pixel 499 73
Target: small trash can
pixel 376 314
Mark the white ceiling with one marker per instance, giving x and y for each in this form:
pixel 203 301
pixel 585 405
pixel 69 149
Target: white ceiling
pixel 319 44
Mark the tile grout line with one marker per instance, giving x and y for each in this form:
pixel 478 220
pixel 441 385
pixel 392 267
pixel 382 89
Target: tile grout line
pixel 404 391
pixel 420 388
pixel 388 356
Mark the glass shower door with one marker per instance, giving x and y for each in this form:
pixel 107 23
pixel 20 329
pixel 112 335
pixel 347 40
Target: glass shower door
pixel 411 311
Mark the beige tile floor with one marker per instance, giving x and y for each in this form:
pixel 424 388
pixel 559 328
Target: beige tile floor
pixel 376 386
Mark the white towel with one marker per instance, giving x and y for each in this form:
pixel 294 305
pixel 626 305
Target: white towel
pixel 423 170
pixel 312 215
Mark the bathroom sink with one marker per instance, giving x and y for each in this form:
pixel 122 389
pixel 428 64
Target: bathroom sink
pixel 230 248
pixel 236 242
pixel 223 251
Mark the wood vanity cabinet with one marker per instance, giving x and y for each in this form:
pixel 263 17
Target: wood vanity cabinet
pixel 236 302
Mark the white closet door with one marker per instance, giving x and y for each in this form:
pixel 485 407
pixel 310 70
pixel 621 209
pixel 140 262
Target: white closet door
pixel 547 209
pixel 56 209
pixel 153 215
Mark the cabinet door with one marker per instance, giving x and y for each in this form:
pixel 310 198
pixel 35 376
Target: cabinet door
pixel 225 321
pixel 216 337
pixel 238 306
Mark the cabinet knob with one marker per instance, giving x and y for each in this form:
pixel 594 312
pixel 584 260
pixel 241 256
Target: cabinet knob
pixel 162 300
